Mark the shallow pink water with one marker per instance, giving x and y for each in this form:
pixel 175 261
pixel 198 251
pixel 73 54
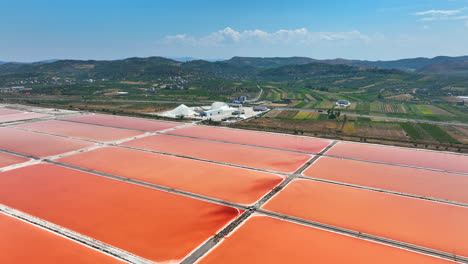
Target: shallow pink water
pixel 311 145
pixel 124 122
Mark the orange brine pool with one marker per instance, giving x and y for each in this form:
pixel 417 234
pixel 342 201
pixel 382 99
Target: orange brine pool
pixel 7 159
pixel 263 239
pixel 20 116
pixel 219 181
pixel 21 242
pixel 435 184
pixel 311 145
pixel 420 222
pixel 84 131
pixel 152 224
pixel 401 156
pixel 124 122
pixel 268 159
pixel 36 144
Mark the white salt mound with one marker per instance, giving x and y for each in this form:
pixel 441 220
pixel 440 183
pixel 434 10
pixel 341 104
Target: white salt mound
pixel 219 105
pixel 181 110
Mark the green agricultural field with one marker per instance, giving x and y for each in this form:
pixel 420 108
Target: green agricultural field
pixel 456 110
pixel 303 115
pixel 377 107
pixel 395 108
pixel 319 96
pixel 412 109
pixel 363 120
pixel 322 117
pixel 437 133
pixel 363 108
pixel 273 95
pixel 287 114
pixel 296 96
pixel 325 105
pixel 411 131
pixel 424 110
pixel 349 128
pixel 301 104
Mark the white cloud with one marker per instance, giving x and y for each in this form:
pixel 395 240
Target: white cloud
pixel 226 35
pixel 466 23
pixel 182 38
pixel 302 36
pixel 426 27
pixel 438 12
pixel 433 15
pixel 444 18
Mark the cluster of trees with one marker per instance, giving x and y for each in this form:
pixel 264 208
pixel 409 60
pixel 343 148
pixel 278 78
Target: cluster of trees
pixel 333 114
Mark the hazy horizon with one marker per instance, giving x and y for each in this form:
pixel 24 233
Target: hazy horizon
pixel 181 59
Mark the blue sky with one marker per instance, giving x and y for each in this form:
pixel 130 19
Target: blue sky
pixel 33 30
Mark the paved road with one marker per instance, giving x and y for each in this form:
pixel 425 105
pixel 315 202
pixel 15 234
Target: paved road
pixel 258 96
pixel 380 117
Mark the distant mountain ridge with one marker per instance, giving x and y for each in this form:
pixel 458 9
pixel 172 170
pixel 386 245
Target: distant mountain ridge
pixel 141 68
pixel 446 68
pixel 152 68
pixel 411 65
pixel 187 59
pixel 407 65
pixel 251 67
pixel 44 61
pixel 265 63
pixel 182 59
pixel 320 69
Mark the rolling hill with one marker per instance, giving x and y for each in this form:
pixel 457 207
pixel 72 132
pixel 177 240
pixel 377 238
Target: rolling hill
pixel 139 68
pixel 446 68
pixel 265 63
pixel 407 65
pixel 236 66
pixel 317 69
pixel 277 68
pixel 410 65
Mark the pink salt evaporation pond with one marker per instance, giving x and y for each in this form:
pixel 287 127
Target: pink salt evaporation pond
pixel 7 159
pixel 155 225
pixel 255 157
pixel 214 180
pixel 38 145
pixel 124 122
pixel 20 117
pixel 84 131
pixel 401 156
pixel 295 143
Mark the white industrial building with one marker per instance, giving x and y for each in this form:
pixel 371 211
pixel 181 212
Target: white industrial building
pixel 343 103
pixel 211 112
pixel 217 108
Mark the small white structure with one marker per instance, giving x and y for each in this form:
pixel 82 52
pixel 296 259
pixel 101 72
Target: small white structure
pixel 211 112
pixel 216 108
pixel 343 103
pixel 260 108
